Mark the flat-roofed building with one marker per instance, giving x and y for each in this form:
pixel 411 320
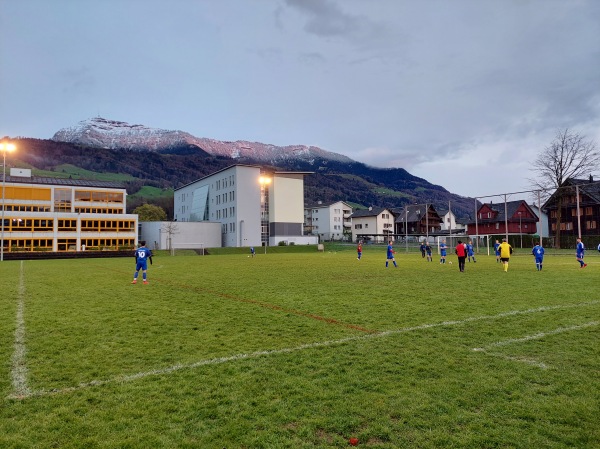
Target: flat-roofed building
pixel 58 214
pixel 255 206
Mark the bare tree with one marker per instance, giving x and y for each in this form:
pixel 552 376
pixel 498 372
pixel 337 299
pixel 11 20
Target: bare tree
pixel 169 228
pixel 570 155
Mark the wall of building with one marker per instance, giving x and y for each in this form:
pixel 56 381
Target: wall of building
pixel 64 217
pixel 187 235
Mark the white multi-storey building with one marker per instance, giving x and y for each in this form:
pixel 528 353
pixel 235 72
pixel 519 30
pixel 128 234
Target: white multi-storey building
pixel 328 220
pixel 254 206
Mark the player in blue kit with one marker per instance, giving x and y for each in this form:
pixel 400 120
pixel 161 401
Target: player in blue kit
pixel 443 249
pixel 580 253
pixel 428 252
pixel 470 251
pixel 390 255
pixel 538 253
pixel 497 250
pixel 142 255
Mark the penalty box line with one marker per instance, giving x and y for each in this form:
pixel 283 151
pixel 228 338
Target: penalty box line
pixel 537 336
pixel 257 354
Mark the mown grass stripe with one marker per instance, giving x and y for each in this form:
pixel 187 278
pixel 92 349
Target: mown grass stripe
pixel 221 360
pixel 19 372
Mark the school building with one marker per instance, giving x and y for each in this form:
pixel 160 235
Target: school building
pixel 255 206
pixel 55 214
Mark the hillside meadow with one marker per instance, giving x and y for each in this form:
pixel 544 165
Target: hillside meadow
pixel 300 349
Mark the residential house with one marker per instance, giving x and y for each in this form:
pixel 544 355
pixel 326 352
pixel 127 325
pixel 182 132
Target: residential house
pixel 579 194
pixel 450 223
pixel 417 219
pixel 493 219
pixel 328 220
pixel 372 224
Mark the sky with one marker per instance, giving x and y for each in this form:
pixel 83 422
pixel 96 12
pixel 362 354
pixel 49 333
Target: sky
pixel 463 93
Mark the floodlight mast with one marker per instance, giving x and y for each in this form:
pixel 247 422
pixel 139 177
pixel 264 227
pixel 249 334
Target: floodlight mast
pixel 5 147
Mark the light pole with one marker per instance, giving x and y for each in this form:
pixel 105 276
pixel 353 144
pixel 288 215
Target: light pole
pixel 520 229
pixel 264 182
pixel 4 147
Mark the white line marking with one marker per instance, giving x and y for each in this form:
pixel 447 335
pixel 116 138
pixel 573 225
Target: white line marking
pixel 537 336
pixel 19 366
pixel 220 360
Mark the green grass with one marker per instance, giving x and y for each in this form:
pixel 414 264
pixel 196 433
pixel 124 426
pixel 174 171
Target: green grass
pixel 152 192
pixel 72 171
pixel 300 350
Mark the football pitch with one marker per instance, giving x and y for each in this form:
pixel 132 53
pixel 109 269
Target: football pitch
pixel 302 350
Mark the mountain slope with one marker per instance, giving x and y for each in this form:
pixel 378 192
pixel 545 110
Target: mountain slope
pixel 170 159
pixel 111 134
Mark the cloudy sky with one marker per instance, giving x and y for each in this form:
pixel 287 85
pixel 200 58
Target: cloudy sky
pixel 464 93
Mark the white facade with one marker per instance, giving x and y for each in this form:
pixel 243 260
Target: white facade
pixel 449 222
pixel 173 234
pixel 249 212
pixel 378 224
pixel 328 221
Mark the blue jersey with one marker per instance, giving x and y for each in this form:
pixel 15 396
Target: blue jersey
pixel 580 249
pixel 141 257
pixel 428 250
pixel 496 248
pixel 390 252
pixel 538 252
pixel 443 249
pixel 470 252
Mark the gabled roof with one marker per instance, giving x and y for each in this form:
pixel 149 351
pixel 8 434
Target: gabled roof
pixel 369 213
pixel 318 204
pixel 415 212
pixel 589 187
pixel 511 209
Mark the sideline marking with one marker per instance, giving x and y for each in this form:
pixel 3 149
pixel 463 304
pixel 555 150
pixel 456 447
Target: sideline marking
pixel 19 371
pixel 537 336
pixel 221 360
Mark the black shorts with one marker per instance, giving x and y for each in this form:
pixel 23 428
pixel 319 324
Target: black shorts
pixel 504 259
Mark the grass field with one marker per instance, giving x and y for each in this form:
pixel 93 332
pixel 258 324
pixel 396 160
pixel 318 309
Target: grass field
pixel 300 350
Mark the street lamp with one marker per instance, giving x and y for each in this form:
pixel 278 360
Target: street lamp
pixel 264 182
pixel 4 147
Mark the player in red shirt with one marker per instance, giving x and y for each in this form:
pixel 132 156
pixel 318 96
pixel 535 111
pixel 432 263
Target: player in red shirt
pixel 461 252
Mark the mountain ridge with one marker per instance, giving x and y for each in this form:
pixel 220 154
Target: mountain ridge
pixel 170 159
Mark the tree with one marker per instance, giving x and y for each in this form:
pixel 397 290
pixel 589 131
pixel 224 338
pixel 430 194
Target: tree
pixel 568 156
pixel 150 212
pixel 170 229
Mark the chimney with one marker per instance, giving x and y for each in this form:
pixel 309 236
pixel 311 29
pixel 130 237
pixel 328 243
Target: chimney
pixel 591 178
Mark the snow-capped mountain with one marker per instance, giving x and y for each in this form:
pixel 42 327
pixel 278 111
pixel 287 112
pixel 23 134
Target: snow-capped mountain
pixel 111 134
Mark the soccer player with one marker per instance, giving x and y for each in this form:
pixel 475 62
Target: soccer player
pixel 461 252
pixel 390 255
pixel 422 248
pixel 252 251
pixel 505 251
pixel 359 250
pixel 443 248
pixel 470 251
pixel 428 252
pixel 497 251
pixel 580 252
pixel 538 253
pixel 142 255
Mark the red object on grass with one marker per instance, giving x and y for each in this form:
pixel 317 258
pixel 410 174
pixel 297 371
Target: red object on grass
pixel 353 441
